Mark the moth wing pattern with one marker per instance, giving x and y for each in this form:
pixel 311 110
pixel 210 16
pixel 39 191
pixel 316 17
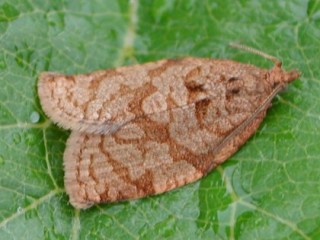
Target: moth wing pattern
pixel 149 128
pixel 105 100
pixel 146 156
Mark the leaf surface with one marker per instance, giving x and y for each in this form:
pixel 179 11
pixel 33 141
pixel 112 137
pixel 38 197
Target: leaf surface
pixel 268 190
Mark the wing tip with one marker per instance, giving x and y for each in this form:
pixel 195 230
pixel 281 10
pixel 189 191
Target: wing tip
pixel 46 81
pixel 45 86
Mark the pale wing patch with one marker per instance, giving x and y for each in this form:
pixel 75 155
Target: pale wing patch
pixel 128 155
pixel 157 154
pixel 130 132
pixel 185 130
pixel 170 176
pixel 154 103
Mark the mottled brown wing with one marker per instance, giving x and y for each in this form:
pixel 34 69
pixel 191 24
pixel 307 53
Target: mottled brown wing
pixel 154 154
pixel 162 124
pixel 103 101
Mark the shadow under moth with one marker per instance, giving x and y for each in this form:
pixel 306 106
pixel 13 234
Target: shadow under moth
pixel 146 129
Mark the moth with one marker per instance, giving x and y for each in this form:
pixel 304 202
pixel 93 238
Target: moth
pixel 149 128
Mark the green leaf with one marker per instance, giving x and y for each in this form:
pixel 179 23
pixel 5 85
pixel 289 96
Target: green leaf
pixel 268 190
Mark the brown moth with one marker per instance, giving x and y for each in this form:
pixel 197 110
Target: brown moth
pixel 146 129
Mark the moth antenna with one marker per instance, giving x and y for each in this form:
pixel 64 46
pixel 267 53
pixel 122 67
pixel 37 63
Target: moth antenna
pixel 276 61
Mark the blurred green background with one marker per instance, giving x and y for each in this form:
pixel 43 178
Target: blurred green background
pixel 270 189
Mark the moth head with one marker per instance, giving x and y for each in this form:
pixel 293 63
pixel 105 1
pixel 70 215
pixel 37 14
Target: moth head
pixel 279 76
